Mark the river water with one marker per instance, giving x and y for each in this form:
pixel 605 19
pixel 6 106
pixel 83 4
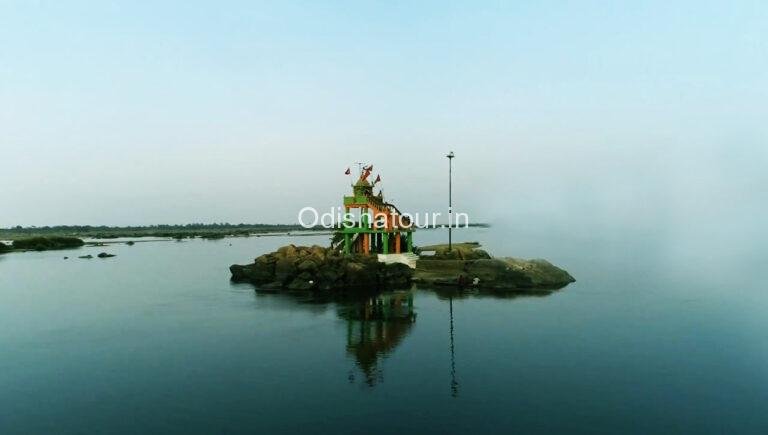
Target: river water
pixel 653 337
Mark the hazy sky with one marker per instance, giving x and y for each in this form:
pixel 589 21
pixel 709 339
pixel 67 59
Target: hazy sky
pixel 584 115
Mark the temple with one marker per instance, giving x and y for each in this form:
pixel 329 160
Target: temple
pixel 381 228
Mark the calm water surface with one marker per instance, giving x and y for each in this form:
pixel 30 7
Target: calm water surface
pixel 656 336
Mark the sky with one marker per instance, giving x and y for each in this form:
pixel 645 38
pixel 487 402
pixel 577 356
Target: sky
pixel 582 116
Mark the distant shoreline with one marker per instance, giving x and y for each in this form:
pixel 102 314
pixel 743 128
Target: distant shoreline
pixel 210 231
pixel 205 231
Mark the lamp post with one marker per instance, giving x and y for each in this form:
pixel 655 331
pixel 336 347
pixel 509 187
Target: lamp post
pixel 450 205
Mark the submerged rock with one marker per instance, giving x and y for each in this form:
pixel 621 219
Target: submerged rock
pixel 86 256
pixel 320 269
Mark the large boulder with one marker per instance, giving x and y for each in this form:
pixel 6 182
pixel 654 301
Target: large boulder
pixel 307 266
pixel 285 269
pixel 496 273
pixel 287 251
pixel 541 273
pixel 262 270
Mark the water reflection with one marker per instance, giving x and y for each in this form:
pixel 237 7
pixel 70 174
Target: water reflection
pixel 454 383
pixel 377 323
pixel 375 327
pixel 450 293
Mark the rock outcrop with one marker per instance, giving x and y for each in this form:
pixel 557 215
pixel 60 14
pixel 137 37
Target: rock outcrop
pixel 317 268
pixel 492 274
pixel 465 265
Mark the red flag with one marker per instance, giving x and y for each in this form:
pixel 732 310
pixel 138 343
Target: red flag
pixel 378 178
pixel 347 172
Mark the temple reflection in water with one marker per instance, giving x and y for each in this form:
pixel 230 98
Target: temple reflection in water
pixel 375 327
pixel 379 322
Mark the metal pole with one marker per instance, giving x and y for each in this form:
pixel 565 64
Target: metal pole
pixel 450 202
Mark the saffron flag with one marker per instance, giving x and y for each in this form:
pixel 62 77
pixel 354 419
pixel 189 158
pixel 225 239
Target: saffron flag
pixel 347 172
pixel 378 178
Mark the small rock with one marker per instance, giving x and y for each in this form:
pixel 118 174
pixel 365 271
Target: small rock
pixel 105 255
pixel 86 256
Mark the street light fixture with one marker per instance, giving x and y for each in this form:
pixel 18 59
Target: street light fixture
pixel 450 205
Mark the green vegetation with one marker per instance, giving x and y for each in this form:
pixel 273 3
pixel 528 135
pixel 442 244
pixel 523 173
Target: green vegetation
pixel 208 231
pixel 4 247
pixel 46 243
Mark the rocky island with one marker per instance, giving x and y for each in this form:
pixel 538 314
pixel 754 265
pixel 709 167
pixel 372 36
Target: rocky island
pixel 375 251
pixel 316 268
